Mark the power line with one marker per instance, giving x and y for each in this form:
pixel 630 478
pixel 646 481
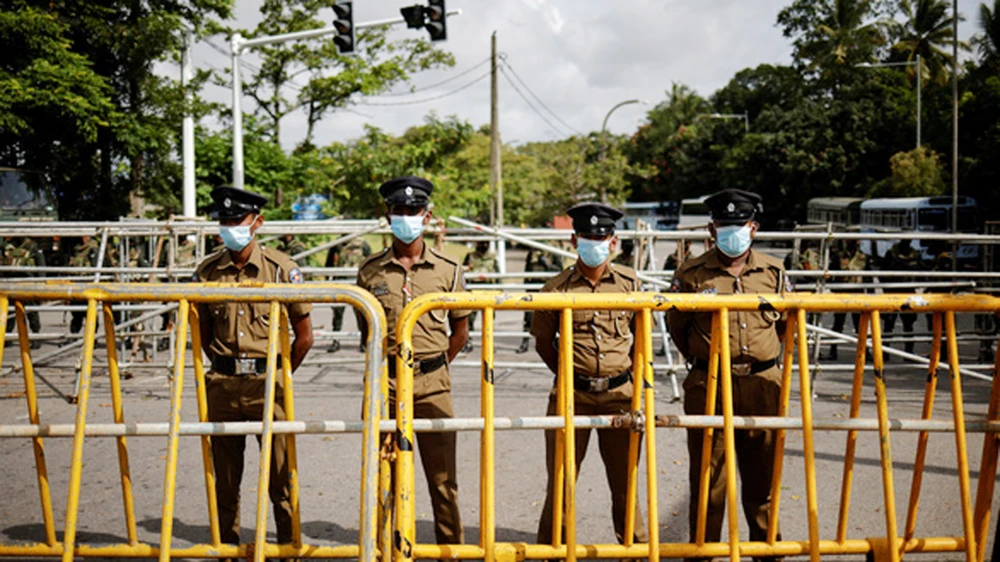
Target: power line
pixel 432 86
pixel 539 100
pixel 425 100
pixel 527 101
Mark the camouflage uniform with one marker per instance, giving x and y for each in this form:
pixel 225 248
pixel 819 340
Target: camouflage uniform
pixel 480 260
pixel 25 254
pixel 350 255
pixel 850 258
pixel 901 257
pixel 292 246
pixel 84 255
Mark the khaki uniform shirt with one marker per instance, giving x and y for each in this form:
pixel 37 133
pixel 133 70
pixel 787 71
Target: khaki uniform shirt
pixel 753 335
pixel 602 339
pixel 240 329
pixel 388 281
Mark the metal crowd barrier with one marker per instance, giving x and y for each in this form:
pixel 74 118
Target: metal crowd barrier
pixel 888 545
pixel 186 296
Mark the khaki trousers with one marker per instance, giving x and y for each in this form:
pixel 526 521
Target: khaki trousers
pixel 613 445
pixel 241 398
pixel 753 395
pixel 432 400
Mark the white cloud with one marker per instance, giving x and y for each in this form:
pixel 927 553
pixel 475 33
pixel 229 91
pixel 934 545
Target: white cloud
pixel 581 57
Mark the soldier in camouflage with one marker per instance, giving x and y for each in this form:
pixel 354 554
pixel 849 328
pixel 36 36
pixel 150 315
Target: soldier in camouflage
pixel 480 260
pixel 346 255
pixel 536 260
pixel 292 246
pixel 27 254
pixel 84 255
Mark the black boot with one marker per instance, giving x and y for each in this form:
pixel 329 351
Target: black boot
pixel 832 355
pixel 524 346
pixel 334 346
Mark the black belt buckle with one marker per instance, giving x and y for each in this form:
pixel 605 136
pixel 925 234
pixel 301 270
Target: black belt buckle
pixel 598 384
pixel 244 366
pixel 741 369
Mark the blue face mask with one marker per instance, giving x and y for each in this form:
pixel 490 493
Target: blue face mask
pixel 406 227
pixel 593 252
pixel 734 241
pixel 236 237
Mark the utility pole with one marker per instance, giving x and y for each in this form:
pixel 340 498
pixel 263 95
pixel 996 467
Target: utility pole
pixel 187 131
pixel 496 180
pixel 954 120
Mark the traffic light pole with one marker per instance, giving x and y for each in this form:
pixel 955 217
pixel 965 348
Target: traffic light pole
pixel 238 44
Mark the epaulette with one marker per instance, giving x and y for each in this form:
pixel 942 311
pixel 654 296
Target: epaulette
pixel 374 257
pixel 277 257
pixel 444 257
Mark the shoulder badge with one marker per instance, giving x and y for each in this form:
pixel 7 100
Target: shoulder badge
pixel 295 275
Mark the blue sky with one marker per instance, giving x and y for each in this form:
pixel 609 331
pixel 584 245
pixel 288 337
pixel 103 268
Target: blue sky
pixel 580 57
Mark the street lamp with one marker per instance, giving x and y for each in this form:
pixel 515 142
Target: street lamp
pixel 604 135
pixel 919 88
pixel 744 116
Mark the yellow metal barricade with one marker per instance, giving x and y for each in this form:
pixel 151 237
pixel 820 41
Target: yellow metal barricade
pixel 100 297
pixel 886 544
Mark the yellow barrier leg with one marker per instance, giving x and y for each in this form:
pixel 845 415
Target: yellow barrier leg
pixel 987 470
pixel 808 446
pixel 44 492
pixel 289 405
pixel 650 408
pixel 566 374
pixel 206 440
pixel 559 478
pixel 852 435
pixel 76 464
pixel 888 486
pixel 779 434
pixel 918 465
pixel 119 417
pixel 711 390
pixel 487 462
pixel 267 436
pixel 173 440
pixel 729 435
pixel 385 466
pixel 958 411
pixel 405 533
pixel 639 359
pixel 4 304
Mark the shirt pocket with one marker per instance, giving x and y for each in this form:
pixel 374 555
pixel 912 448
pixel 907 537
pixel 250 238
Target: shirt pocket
pixel 582 320
pixel 623 323
pixel 392 305
pixel 260 321
pixel 219 313
pixel 438 315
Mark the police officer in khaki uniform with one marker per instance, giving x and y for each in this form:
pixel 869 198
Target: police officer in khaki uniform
pixel 732 267
pixel 234 335
pixel 395 276
pixel 602 358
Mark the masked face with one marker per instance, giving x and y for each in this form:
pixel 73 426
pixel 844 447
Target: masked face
pixel 237 237
pixel 407 228
pixel 734 241
pixel 593 253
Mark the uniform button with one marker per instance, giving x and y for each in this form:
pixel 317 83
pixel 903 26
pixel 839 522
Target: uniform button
pixel 602 356
pixel 241 312
pixel 241 334
pixel 743 325
pixel 598 336
pixel 746 348
pixel 244 354
pixel 596 314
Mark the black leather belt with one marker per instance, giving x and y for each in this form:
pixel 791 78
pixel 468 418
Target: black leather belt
pixel 740 369
pixel 601 384
pixel 237 367
pixel 421 367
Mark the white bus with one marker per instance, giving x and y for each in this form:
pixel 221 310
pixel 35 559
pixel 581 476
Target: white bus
pixel 694 214
pixel 920 214
pixel 841 212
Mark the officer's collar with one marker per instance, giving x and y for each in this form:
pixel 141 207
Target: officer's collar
pixel 256 258
pixel 609 272
pixel 713 260
pixel 426 256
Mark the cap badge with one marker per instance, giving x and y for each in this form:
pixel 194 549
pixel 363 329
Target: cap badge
pixel 227 202
pixel 593 220
pixel 731 207
pixel 408 191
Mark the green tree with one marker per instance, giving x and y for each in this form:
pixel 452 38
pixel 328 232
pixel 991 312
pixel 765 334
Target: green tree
pixel 377 65
pixel 988 41
pixel 928 32
pixel 915 173
pixel 829 36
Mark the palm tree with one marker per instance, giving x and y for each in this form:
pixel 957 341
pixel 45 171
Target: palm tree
pixel 988 43
pixel 844 37
pixel 928 33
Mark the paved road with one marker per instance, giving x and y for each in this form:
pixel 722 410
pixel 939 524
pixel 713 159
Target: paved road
pixel 330 465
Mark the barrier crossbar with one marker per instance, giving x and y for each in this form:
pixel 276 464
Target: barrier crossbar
pixel 890 544
pixel 99 299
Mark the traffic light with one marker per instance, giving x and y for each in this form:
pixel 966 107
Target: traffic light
pixel 432 17
pixel 436 16
pixel 344 23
